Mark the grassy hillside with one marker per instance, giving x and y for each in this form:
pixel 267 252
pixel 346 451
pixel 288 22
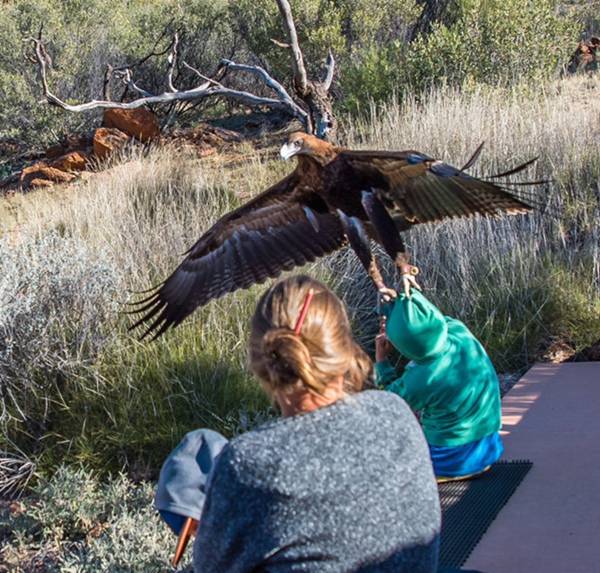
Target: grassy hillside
pixel 78 387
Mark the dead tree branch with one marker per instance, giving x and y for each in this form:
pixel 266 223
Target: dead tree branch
pixel 209 81
pixel 330 68
pixel 172 60
pixel 268 80
pixel 310 102
pixel 280 44
pixel 300 77
pixel 126 78
pixel 314 94
pixel 210 88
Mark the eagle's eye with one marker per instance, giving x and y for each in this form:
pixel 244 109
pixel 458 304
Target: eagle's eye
pixel 298 143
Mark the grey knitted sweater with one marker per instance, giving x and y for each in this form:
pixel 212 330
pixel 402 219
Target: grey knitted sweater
pixel 348 487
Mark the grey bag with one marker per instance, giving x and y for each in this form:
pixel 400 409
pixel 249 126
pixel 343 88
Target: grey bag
pixel 184 476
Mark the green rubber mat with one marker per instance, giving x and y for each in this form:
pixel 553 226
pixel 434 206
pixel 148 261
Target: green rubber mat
pixel 469 507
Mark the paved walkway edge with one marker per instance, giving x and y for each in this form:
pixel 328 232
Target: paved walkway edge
pixel 552 522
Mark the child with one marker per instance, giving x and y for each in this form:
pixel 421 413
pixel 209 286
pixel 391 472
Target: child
pixel 450 381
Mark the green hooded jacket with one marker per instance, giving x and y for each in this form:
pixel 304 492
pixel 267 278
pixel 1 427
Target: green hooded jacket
pixel 450 378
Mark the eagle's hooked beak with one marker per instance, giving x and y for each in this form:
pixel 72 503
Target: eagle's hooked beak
pixel 288 150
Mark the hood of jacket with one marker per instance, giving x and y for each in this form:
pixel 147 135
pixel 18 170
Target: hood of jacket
pixel 416 328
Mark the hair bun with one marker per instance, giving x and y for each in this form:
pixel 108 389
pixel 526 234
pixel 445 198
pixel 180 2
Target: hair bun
pixel 321 354
pixel 288 359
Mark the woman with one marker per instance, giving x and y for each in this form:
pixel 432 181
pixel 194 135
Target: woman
pixel 450 381
pixel 343 481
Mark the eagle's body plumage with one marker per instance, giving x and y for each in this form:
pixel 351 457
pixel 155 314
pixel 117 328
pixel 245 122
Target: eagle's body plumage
pixel 332 196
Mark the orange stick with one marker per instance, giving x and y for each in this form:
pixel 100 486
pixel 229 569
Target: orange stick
pixel 189 528
pixel 303 312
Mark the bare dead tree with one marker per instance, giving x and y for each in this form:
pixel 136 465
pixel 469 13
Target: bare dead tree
pixel 310 103
pixel 208 88
pixel 314 94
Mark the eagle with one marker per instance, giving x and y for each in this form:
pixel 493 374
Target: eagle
pixel 333 197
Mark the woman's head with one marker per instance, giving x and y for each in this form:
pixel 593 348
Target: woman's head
pixel 324 349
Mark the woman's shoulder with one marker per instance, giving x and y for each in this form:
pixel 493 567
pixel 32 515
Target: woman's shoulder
pixel 269 438
pixel 280 456
pixel 380 402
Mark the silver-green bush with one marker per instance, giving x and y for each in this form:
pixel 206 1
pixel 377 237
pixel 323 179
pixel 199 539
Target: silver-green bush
pixel 75 523
pixel 57 302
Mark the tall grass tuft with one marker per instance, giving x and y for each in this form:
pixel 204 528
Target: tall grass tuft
pixel 77 386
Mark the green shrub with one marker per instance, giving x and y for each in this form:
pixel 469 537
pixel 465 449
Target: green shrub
pixel 489 42
pixel 346 27
pixel 495 41
pixel 76 386
pixel 58 302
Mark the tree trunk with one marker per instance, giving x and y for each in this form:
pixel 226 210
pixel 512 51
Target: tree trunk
pixel 320 110
pixel 433 11
pixel 314 94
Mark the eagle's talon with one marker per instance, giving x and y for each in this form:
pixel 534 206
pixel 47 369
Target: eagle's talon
pixel 408 282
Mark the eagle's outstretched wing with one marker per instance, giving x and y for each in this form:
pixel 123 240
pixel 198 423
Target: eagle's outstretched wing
pixel 281 228
pixel 419 189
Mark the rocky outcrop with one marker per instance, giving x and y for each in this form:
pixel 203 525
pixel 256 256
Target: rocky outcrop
pixel 107 140
pixel 72 161
pixel 71 142
pixel 43 175
pixel 76 153
pixel 139 123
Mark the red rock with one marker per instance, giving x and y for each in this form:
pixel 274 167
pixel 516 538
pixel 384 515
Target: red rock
pixel 43 175
pixel 139 123
pixel 72 142
pixel 37 183
pixel 107 140
pixel 73 161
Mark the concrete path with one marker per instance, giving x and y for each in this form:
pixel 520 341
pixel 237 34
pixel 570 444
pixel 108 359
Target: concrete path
pixel 552 522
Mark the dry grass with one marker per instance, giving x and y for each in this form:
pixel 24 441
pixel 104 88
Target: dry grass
pixel 520 281
pixel 112 402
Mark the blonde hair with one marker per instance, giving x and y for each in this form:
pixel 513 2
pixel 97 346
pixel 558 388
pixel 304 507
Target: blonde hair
pixel 322 351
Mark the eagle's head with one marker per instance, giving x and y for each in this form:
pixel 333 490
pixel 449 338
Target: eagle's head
pixel 300 143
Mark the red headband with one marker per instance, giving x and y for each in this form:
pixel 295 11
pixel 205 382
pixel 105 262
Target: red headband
pixel 304 311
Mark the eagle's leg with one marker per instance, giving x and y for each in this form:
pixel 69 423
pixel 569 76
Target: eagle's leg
pixel 390 238
pixel 359 241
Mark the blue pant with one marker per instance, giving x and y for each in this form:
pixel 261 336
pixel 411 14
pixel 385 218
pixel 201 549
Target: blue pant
pixel 471 458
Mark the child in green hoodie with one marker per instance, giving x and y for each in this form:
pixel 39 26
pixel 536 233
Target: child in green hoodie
pixel 450 381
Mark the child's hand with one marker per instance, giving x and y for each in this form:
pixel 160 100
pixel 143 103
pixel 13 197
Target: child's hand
pixel 382 344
